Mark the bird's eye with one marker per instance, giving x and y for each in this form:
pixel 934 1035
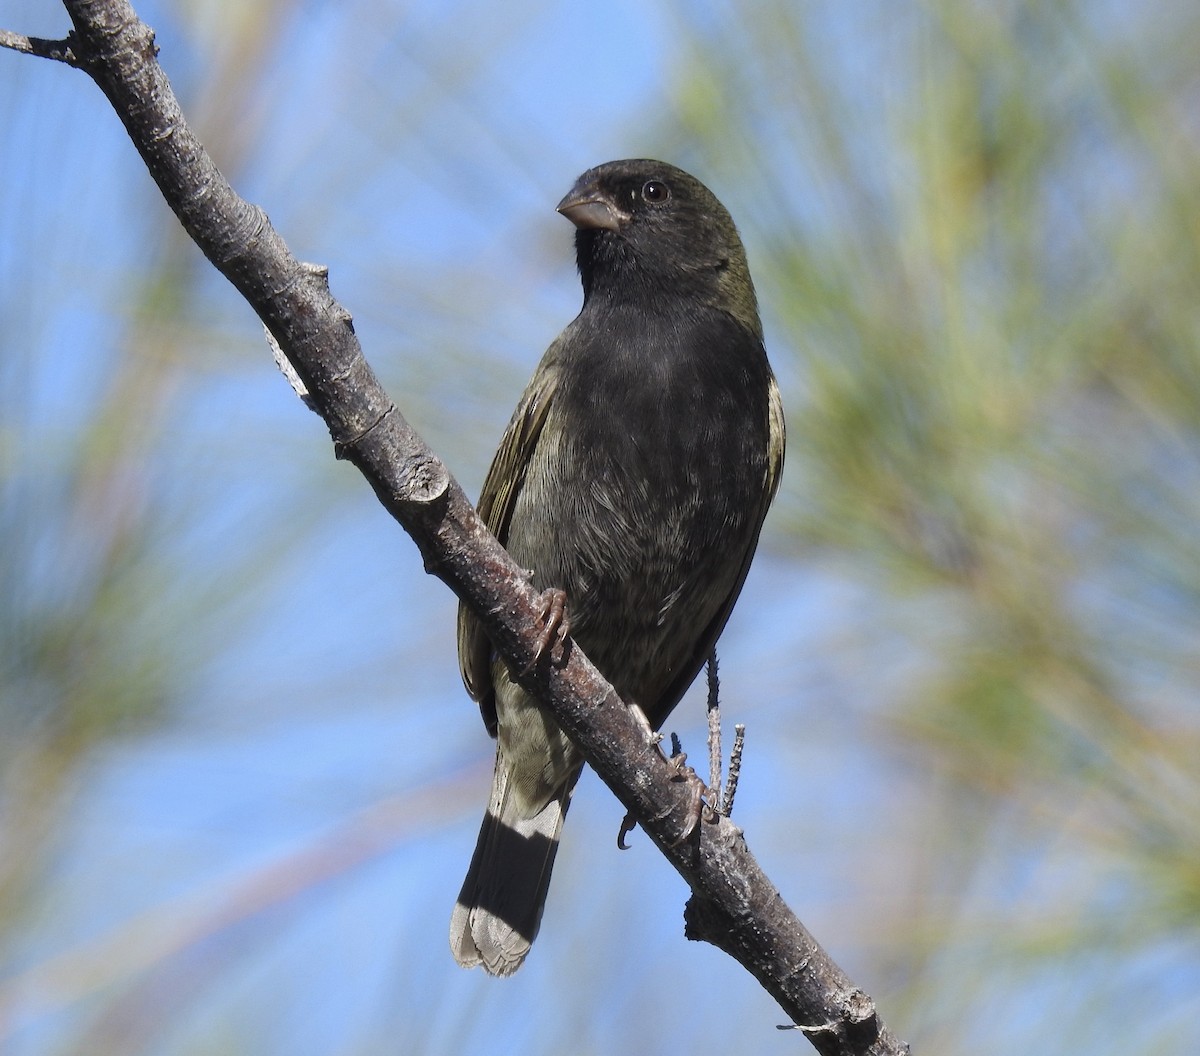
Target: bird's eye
pixel 655 191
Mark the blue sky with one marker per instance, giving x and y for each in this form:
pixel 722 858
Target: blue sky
pixel 271 869
pixel 289 749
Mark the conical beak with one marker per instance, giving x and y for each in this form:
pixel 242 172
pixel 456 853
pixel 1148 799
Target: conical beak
pixel 587 206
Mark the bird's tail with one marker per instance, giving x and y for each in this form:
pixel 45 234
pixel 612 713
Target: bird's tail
pixel 500 905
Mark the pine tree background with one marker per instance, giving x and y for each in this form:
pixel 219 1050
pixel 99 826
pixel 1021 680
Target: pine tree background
pixel 239 779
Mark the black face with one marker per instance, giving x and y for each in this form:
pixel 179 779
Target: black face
pixel 635 196
pixel 646 225
pixel 650 202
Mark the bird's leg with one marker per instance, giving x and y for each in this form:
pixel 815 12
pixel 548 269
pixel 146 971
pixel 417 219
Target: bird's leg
pixel 652 736
pixel 556 625
pixel 714 727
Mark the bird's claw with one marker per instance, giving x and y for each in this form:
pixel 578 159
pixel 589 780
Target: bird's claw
pixel 697 790
pixel 556 625
pixel 697 808
pixel 628 824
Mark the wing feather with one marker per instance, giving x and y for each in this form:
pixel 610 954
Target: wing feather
pixel 776 443
pixel 503 483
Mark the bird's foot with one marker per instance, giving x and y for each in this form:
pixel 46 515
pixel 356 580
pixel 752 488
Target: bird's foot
pixel 697 809
pixel 556 625
pixel 697 790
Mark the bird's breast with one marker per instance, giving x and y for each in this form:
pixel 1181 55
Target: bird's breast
pixel 642 496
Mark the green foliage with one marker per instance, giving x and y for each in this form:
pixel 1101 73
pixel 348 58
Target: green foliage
pixel 975 232
pixel 995 311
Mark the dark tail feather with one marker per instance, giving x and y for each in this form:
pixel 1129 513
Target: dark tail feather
pixel 500 905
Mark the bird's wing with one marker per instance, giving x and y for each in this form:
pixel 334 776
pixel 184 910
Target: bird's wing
pixel 500 489
pixel 776 443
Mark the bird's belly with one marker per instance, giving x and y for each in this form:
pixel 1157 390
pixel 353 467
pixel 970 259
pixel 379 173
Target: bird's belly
pixel 644 559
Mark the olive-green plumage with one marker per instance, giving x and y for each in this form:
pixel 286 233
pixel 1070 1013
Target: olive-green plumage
pixel 635 475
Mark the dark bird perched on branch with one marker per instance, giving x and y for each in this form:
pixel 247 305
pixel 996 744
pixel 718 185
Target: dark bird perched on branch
pixel 634 476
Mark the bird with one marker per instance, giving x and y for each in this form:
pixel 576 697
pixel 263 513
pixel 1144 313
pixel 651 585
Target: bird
pixel 632 481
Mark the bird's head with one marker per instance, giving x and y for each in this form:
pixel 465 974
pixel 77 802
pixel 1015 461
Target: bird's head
pixel 649 228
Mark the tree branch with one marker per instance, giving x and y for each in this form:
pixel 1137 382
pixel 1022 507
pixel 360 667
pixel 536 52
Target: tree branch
pixel 733 904
pixel 59 50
